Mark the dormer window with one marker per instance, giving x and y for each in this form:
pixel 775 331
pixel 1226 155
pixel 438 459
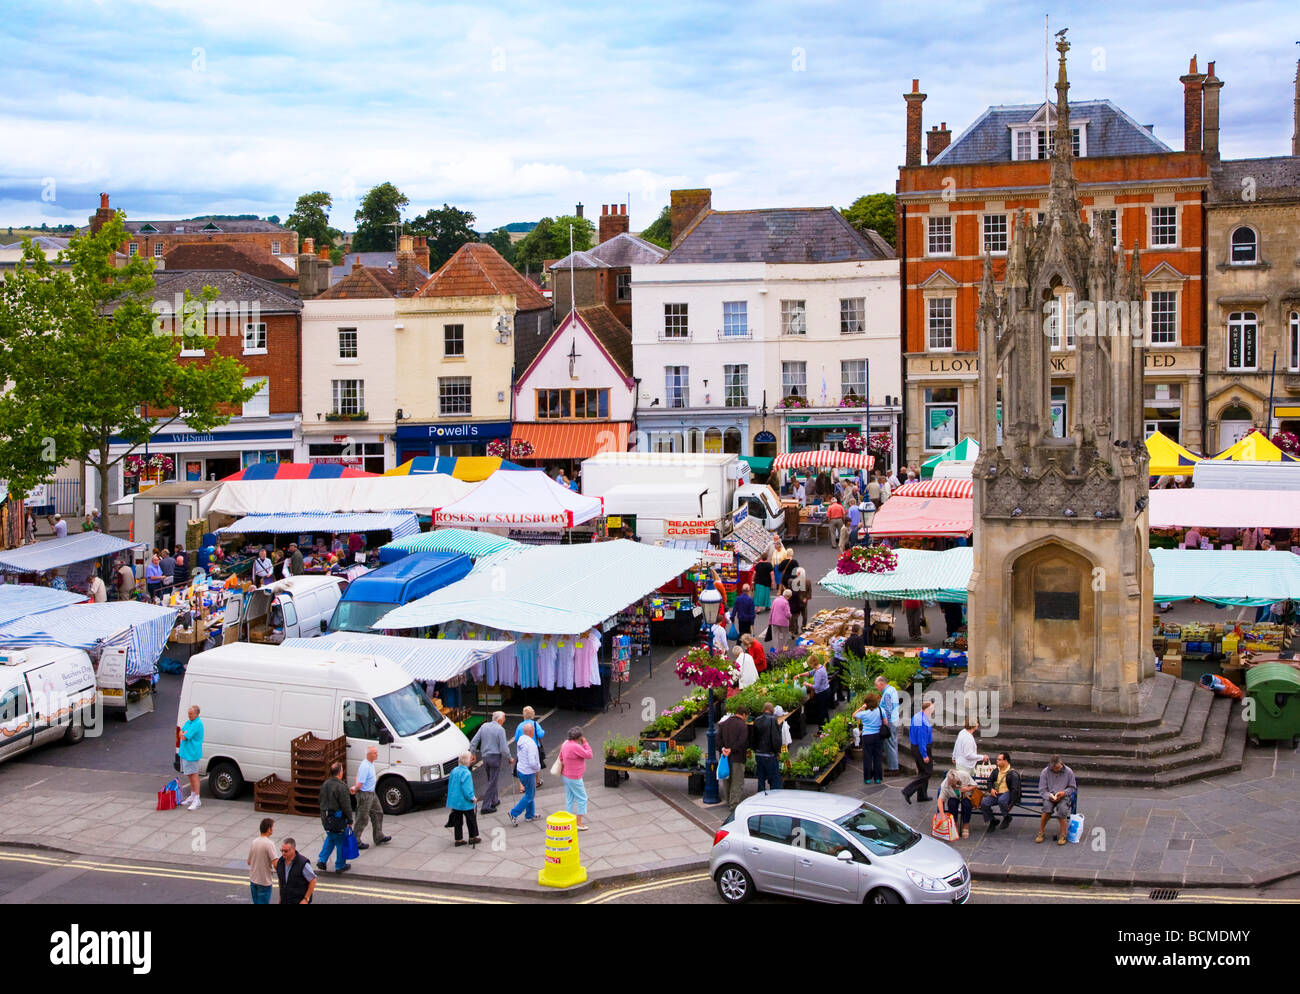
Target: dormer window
pixel 147 228
pixel 1036 142
pixel 210 227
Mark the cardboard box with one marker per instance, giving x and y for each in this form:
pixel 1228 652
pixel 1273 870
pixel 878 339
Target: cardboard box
pixel 1173 665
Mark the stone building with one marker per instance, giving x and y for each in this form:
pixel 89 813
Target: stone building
pixel 1253 288
pixel 1060 597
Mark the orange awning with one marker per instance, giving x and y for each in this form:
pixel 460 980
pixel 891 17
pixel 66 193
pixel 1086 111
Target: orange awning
pixel 572 439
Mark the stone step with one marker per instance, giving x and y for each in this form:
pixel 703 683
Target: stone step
pixel 1165 691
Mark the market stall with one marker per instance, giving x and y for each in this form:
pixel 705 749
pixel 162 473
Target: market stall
pixel 963 489
pixel 297 471
pixel 377 493
pixel 74 555
pixel 21 600
pixel 824 459
pixel 924 518
pixel 124 641
pixel 1255 447
pixel 473 544
pixel 1167 458
pixel 400 523
pixel 471 469
pixel 965 451
pixel 525 500
pixel 1205 508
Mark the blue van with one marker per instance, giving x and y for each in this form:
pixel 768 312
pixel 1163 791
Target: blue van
pixel 370 597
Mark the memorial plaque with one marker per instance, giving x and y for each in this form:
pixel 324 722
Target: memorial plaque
pixel 1056 605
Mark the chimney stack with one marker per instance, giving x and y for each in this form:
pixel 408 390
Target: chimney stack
pixel 313 271
pixel 936 140
pixel 914 101
pixel 1210 88
pixel 613 221
pixel 101 216
pixel 1192 107
pixel 405 245
pixel 684 206
pixel 579 210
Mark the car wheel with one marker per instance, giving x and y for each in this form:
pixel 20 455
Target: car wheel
pixel 735 886
pixel 882 895
pixel 225 782
pixel 395 796
pixel 76 731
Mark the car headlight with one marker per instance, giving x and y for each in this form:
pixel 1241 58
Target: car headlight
pixel 430 772
pixel 924 882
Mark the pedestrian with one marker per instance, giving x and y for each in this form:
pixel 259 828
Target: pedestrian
pixel 744 611
pixel 835 518
pixel 873 721
pixel 745 666
pixel 31 525
pixel 60 527
pixel 153 577
pixel 889 732
pixel 755 648
pixel 952 617
pixel 718 638
pixel 915 613
pixel 574 754
pixel 295 559
pixel 123 580
pixel 261 863
pixel 799 607
pixel 180 567
pixel 335 817
pixel 787 739
pixel 855 646
pixel 800 492
pixel 190 749
pixel 1004 791
pixel 873 489
pixel 262 567
pixel 820 712
pixel 96 590
pixel 490 744
pixel 780 621
pixel 733 738
pixel 1057 786
pixel 368 807
pixel 965 753
pixel 763 572
pixel 920 735
pixel 854 523
pixel 297 878
pixel 767 749
pixel 528 765
pixel 167 563
pixel 955 799
pixel 539 733
pixel 461 801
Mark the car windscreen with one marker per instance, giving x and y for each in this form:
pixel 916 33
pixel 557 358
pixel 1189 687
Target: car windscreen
pixel 358 616
pixel 882 834
pixel 409 711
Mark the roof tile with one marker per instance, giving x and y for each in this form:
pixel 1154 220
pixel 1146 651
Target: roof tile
pixel 477 270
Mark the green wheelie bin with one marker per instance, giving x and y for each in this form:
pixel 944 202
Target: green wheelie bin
pixel 1274 689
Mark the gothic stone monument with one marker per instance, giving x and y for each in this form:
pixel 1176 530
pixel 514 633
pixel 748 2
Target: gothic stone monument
pixel 1060 598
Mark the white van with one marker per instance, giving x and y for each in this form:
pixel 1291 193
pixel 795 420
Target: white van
pixel 46 693
pixel 297 608
pixel 255 699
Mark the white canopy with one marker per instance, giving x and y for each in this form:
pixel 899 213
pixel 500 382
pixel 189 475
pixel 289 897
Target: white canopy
pixel 520 499
pixel 1205 508
pixel 375 493
pixel 423 659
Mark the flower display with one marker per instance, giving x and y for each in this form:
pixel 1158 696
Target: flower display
pixel 855 442
pixel 137 465
pixel 880 444
pixel 1287 442
pixel 868 559
pixel 792 403
pixel 853 400
pixel 701 668
pixel 517 449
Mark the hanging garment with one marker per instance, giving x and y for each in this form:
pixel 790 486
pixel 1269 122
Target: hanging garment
pixel 586 662
pixel 546 660
pixel 507 659
pixel 564 659
pixel 526 656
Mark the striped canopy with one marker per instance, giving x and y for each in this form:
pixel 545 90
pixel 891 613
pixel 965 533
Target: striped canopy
pixel 967 450
pixel 1167 457
pixel 297 471
pixel 826 458
pixel 20 600
pixel 471 469
pixel 929 517
pixel 142 628
pixel 471 543
pixel 78 547
pixel 400 523
pixel 423 659
pixel 937 488
pixel 921 575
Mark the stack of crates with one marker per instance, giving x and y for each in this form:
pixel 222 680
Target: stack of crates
pixel 312 758
pixel 272 795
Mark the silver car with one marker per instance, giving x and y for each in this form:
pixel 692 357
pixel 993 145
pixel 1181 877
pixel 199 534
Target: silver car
pixel 829 847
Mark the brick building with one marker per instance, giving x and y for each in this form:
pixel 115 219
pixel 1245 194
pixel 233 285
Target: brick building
pixel 154 239
pixel 602 275
pixel 961 204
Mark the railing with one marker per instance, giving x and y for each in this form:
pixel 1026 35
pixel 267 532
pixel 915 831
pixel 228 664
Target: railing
pixel 666 336
pixel 735 336
pixel 62 497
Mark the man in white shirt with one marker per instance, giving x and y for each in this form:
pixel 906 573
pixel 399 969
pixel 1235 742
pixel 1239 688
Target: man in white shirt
pixel 368 807
pixel 745 663
pixel 262 567
pixel 96 590
pixel 527 765
pixel 60 527
pixel 719 634
pixel 800 493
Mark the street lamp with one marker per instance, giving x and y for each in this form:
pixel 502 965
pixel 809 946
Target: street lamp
pixel 710 603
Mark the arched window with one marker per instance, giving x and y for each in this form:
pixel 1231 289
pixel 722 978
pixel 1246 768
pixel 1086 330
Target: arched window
pixel 1245 246
pixel 731 441
pixel 713 440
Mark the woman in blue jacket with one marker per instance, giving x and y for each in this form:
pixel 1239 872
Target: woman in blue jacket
pixel 872 740
pixel 461 801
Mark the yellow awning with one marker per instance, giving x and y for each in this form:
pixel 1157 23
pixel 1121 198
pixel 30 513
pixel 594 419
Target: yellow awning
pixel 1255 448
pixel 1168 458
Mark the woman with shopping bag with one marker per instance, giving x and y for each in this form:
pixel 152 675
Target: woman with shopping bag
pixel 954 800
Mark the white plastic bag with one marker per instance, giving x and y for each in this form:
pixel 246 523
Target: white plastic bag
pixel 1075 831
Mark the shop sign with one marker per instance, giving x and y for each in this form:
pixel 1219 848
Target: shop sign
pixel 692 528
pixel 717 557
pixel 352 462
pixel 1060 364
pixel 38 495
pixel 467 431
pixel 765 436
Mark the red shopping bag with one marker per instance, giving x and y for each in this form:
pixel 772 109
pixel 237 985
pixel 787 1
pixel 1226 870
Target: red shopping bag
pixel 167 798
pixel 942 826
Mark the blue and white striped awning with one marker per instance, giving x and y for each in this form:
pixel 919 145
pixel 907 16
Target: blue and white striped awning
pixel 56 552
pixel 472 544
pixel 400 523
pixel 921 575
pixel 549 589
pixel 424 659
pixel 142 628
pixel 20 600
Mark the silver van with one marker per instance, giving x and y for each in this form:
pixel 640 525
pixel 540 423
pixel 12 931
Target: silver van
pixel 834 848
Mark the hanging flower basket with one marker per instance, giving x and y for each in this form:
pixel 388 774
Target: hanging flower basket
pixel 792 403
pixel 701 668
pixel 1287 442
pixel 518 448
pixel 867 559
pixel 881 443
pixel 854 442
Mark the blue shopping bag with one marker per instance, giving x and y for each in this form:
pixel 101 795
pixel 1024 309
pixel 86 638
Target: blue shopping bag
pixel 175 787
pixel 724 768
pixel 350 848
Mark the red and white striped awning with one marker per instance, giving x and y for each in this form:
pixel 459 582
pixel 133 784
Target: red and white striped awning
pixel 827 458
pixel 937 488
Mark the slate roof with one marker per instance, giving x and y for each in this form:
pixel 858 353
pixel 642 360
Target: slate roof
pixel 48 244
pixel 367 259
pixel 477 270
pixel 1109 132
pixel 1275 179
pixel 231 285
pixel 223 255
pixel 623 250
pixel 195 226
pixel 776 235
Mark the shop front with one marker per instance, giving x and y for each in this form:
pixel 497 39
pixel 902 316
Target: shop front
pixel 564 444
pixel 809 430
pixel 716 430
pixel 466 438
pixel 369 451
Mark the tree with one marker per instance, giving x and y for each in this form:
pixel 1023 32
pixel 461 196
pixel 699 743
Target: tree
pixel 88 358
pixel 273 219
pixel 873 212
pixel 310 218
pixel 380 209
pixel 446 230
pixel 500 240
pixel 660 230
pixel 550 240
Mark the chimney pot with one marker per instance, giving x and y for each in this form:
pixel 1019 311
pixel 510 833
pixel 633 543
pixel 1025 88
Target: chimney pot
pixel 915 129
pixel 309 246
pixel 916 86
pixel 103 201
pixel 356 262
pixel 623 209
pixel 1191 67
pixel 579 210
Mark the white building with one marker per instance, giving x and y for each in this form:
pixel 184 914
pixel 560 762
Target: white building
pixel 767 331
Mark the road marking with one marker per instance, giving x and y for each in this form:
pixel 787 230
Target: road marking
pixel 36 784
pixel 645 888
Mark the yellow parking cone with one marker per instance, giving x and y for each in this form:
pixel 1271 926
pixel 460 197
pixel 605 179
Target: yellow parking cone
pixel 563 864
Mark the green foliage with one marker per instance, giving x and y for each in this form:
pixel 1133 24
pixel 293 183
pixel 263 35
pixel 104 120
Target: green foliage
pixel 874 212
pixel 380 210
pixel 619 748
pixel 447 229
pixel 692 755
pixel 85 363
pixel 660 231
pixel 500 240
pixel 786 695
pixel 310 218
pixel 550 240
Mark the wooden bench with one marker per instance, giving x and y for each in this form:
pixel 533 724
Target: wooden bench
pixel 1031 798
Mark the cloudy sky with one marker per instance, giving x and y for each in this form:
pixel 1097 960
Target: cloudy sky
pixel 515 111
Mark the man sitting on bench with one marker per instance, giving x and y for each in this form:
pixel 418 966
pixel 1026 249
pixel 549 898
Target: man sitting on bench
pixel 1004 791
pixel 1057 785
